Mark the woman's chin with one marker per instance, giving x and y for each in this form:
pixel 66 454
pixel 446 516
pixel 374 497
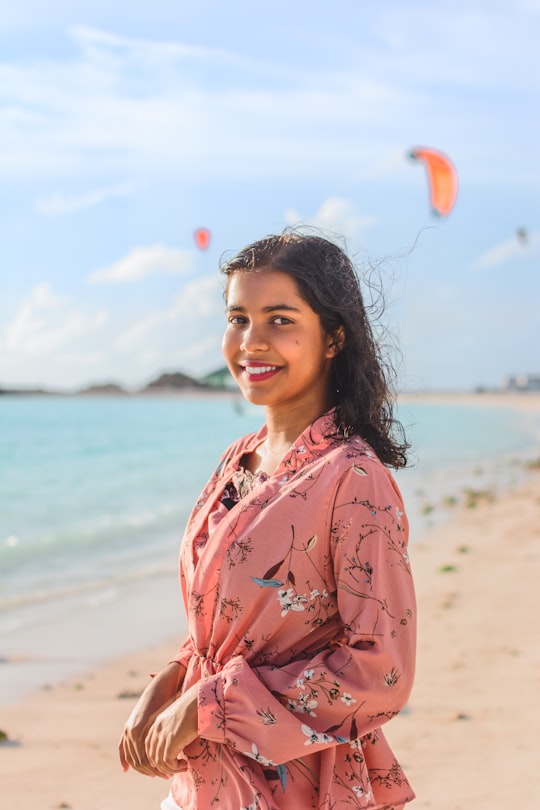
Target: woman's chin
pixel 254 397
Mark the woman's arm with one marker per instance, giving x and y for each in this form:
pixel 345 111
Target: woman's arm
pixel 160 693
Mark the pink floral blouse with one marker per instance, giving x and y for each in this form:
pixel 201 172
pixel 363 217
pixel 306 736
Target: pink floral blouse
pixel 301 615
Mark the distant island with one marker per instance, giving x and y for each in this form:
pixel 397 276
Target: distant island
pixel 166 383
pixel 221 380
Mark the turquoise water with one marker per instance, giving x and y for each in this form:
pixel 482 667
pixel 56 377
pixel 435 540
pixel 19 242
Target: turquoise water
pixel 94 494
pixel 95 488
pixel 98 487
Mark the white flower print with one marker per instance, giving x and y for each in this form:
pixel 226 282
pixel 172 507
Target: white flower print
pixel 314 736
pixel 315 593
pixel 289 601
pixel 254 754
pixel 252 806
pixel 348 699
pixel 361 793
pixel 306 704
pixel 308 674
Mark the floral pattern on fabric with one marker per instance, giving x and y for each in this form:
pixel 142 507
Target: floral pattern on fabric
pixel 242 483
pixel 302 631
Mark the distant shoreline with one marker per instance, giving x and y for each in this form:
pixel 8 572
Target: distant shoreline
pixel 119 392
pixel 519 400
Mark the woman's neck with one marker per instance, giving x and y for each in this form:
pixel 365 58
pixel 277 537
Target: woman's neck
pixel 285 426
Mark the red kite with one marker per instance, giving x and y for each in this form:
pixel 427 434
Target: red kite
pixel 202 238
pixel 442 177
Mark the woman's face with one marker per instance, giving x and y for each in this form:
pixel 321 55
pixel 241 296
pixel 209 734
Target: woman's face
pixel 274 343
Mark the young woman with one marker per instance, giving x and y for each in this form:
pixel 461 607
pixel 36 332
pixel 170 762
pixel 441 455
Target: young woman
pixel 294 564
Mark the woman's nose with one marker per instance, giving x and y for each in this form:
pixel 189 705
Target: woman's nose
pixel 254 339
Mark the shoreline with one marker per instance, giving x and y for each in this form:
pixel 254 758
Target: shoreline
pixel 528 401
pixel 518 400
pixel 469 727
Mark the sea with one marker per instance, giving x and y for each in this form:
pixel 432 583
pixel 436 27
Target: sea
pixel 95 492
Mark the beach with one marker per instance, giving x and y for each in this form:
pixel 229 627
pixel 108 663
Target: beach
pixel 467 738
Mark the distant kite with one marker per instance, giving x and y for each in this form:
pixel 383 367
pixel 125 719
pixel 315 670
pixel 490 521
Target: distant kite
pixel 522 236
pixel 442 177
pixel 202 238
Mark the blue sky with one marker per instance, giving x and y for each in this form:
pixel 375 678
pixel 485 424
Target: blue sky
pixel 123 131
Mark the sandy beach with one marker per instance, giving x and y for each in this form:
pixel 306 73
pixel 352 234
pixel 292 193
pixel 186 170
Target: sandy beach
pixel 528 401
pixel 468 738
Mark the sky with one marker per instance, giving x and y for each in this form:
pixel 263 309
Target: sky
pixel 123 131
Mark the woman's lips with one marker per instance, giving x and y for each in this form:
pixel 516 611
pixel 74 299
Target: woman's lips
pixel 257 372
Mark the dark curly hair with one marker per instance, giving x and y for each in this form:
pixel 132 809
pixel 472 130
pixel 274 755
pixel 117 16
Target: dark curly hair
pixel 328 282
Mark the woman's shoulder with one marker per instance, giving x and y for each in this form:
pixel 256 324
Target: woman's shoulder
pixel 348 457
pixel 361 467
pixel 324 439
pixel 345 451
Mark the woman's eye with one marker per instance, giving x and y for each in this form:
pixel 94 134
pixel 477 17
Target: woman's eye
pixel 237 319
pixel 281 320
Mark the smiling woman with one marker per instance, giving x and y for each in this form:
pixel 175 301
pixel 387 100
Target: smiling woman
pixel 275 346
pixel 294 565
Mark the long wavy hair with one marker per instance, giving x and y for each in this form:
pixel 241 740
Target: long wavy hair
pixel 327 280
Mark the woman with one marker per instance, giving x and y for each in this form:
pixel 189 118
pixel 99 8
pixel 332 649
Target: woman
pixel 294 564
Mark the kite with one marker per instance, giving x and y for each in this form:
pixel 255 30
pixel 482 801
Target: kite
pixel 522 236
pixel 442 177
pixel 202 238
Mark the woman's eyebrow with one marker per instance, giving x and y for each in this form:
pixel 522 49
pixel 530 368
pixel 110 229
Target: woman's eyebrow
pixel 287 307
pixel 270 308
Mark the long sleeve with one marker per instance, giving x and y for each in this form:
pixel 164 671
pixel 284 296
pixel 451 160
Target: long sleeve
pixel 184 653
pixel 359 681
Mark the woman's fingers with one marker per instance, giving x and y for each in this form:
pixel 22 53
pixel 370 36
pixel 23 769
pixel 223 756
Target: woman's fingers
pixel 164 753
pixel 172 730
pixel 133 755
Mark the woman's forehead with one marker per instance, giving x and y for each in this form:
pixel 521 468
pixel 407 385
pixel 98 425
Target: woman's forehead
pixel 260 284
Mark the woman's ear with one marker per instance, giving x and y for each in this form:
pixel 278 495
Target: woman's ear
pixel 337 341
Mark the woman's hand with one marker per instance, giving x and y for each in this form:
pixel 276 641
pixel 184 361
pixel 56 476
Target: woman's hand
pixel 172 730
pixel 159 693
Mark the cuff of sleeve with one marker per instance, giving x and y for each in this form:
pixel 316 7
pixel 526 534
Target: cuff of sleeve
pixel 183 655
pixel 183 660
pixel 212 709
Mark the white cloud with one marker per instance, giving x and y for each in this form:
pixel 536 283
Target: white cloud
pixel 135 104
pixel 59 203
pixel 138 331
pixel 185 335
pixel 98 43
pixel 45 323
pixel 334 215
pixel 142 262
pixel 200 299
pixel 52 340
pixel 516 248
